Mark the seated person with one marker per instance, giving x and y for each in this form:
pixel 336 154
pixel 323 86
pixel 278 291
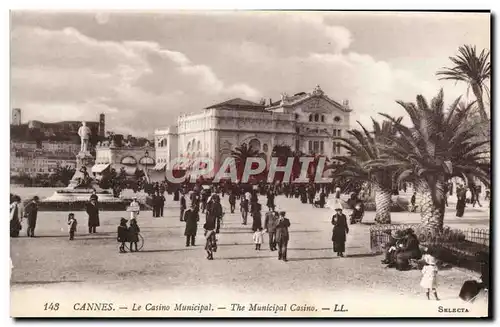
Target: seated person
pixel 395 241
pixel 410 250
pixel 358 211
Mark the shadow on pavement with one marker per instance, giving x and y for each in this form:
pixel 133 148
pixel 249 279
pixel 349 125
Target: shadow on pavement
pixel 308 249
pixel 170 250
pixel 317 258
pixel 362 255
pixel 244 258
pixel 43 282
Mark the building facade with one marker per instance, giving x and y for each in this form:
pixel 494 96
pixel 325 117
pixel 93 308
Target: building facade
pixel 38 162
pixel 306 122
pixel 129 158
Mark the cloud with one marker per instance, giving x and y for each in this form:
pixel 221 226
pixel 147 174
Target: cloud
pixel 143 71
pixel 144 85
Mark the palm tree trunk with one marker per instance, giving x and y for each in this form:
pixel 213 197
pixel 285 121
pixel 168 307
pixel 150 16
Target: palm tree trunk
pixel 432 214
pixel 478 92
pixel 382 206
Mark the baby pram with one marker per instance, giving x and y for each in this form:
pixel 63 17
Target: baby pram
pixel 358 212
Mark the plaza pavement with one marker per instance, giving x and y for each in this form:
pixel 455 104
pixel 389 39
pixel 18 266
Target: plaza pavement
pixel 90 267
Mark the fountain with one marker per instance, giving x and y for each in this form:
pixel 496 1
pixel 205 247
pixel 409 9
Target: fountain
pixel 82 186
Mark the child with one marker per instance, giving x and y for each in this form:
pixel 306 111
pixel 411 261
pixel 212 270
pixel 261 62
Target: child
pixel 429 275
pixel 122 234
pixel 133 234
pixel 258 238
pixel 72 226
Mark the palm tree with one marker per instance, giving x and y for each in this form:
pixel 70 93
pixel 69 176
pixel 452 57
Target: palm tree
pixel 282 153
pixel 436 148
pixel 472 69
pixel 241 154
pixel 364 148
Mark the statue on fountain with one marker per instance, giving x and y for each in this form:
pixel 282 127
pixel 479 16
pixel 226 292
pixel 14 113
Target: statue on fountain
pixel 84 133
pixel 86 180
pixel 82 178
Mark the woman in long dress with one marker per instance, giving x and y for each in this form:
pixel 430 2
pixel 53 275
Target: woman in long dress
pixel 16 215
pixel 340 230
pixel 461 200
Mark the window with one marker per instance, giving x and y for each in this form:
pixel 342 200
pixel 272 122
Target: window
pixel 339 133
pixel 316 146
pixel 297 144
pixel 296 116
pixel 322 118
pixel 311 117
pixel 321 146
pixel 334 133
pixel 297 130
pixel 310 146
pixel 336 119
pixel 316 117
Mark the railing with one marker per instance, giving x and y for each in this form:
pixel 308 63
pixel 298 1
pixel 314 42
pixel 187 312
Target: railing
pixel 454 246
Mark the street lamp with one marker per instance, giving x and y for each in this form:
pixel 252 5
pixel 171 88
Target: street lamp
pixel 146 155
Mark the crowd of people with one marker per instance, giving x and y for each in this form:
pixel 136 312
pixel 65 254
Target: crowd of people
pixel 401 252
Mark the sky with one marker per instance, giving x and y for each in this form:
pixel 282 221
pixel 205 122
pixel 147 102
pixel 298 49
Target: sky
pixel 144 69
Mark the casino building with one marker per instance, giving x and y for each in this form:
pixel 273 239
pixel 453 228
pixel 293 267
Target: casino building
pixel 305 121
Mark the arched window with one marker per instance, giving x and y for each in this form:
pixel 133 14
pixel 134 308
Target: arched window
pixel 188 147
pixel 316 117
pixel 296 116
pixel 199 146
pixel 322 118
pixel 310 117
pixel 128 160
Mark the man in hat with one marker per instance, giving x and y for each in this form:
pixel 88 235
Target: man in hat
pixel 31 212
pixel 282 236
pixel 93 213
pixel 214 213
pixel 191 217
pixel 270 223
pixel 340 230
pixel 391 246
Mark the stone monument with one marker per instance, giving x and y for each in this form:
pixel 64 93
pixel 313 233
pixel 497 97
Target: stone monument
pixel 82 184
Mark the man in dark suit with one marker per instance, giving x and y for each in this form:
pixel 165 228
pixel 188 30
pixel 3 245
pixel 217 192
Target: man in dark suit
pixel 191 217
pixel 282 236
pixel 161 204
pixel 93 212
pixel 31 212
pixel 270 225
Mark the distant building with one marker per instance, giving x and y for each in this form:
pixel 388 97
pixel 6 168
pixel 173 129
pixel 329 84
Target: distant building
pixel 130 158
pixel 38 147
pixel 16 117
pixel 306 122
pixel 38 162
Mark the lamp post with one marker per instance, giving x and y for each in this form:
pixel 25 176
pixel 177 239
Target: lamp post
pixel 146 155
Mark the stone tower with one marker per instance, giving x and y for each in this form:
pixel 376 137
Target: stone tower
pixel 102 126
pixel 16 117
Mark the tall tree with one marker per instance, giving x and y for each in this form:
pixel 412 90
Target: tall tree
pixel 472 69
pixel 241 154
pixel 438 146
pixel 364 148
